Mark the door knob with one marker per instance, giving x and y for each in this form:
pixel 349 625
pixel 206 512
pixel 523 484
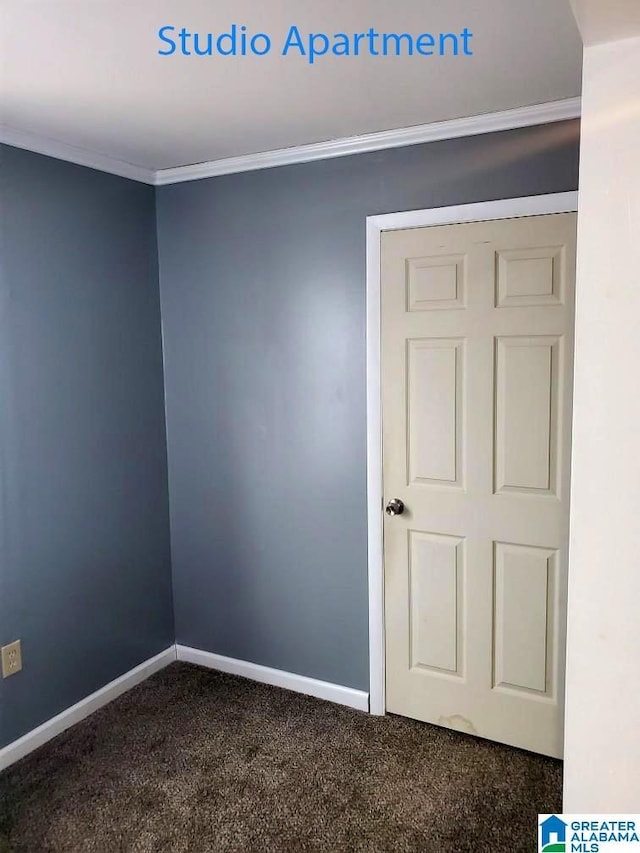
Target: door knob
pixel 395 507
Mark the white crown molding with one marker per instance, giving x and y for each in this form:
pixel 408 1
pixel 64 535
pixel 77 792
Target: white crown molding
pixel 472 126
pixel 358 699
pixel 56 725
pixel 72 154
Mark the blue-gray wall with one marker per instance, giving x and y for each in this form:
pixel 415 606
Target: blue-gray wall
pixel 263 295
pixel 84 543
pixel 263 303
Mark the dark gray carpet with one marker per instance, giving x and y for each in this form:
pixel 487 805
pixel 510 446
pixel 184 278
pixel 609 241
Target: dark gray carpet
pixel 193 761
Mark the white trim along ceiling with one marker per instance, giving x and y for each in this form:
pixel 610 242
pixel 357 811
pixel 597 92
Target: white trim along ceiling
pixel 471 126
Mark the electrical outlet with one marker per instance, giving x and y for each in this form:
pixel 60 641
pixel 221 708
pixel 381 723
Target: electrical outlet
pixel 11 659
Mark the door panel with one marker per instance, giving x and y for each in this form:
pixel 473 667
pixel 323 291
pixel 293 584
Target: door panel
pixel 523 612
pixel 526 414
pixel 435 586
pixel 434 384
pixel 477 343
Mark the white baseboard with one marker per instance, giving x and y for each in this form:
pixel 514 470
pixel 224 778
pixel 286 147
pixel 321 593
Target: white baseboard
pixel 358 699
pixel 37 737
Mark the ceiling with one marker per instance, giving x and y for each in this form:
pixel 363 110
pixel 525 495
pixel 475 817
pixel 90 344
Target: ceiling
pixel 607 21
pixel 86 73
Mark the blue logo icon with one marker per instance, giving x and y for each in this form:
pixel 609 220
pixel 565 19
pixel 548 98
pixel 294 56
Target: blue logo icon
pixel 553 835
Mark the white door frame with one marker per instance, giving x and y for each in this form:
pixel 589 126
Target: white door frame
pixel 514 207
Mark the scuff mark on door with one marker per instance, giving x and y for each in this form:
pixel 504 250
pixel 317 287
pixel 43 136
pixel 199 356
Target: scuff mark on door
pixel 459 723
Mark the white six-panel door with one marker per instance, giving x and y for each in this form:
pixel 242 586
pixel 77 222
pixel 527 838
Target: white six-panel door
pixel 477 351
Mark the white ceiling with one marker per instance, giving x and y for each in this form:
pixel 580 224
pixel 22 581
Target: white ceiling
pixel 607 20
pixel 86 73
